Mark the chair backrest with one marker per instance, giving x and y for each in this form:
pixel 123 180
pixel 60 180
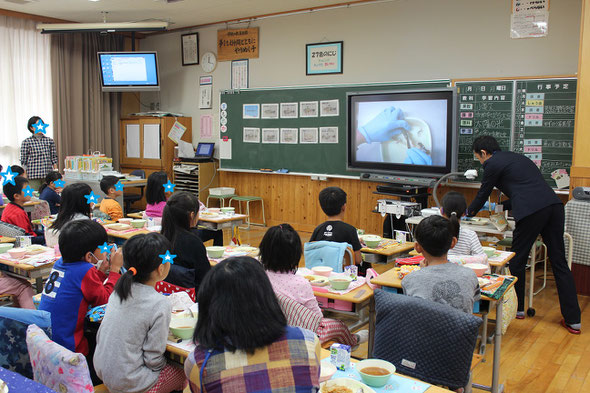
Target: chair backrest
pixel 41 210
pixel 13 344
pixel 298 315
pixel 10 230
pixel 138 172
pixel 423 339
pixel 325 253
pixel 55 366
pixel 166 287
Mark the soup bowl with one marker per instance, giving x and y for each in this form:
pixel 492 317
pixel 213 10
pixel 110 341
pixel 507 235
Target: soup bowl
pixel 375 372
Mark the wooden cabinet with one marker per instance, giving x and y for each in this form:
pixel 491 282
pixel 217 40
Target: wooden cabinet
pixel 144 143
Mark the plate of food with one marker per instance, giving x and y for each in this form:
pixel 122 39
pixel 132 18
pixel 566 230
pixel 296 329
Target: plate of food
pixel 36 249
pixel 209 214
pixel 118 227
pixel 418 136
pixel 317 281
pixel 344 385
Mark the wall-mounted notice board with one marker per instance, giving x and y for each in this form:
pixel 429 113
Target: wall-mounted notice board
pixel 534 117
pixel 302 129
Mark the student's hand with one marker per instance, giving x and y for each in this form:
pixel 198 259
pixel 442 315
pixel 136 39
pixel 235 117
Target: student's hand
pixel 116 260
pixel 383 127
pixel 418 157
pixel 104 265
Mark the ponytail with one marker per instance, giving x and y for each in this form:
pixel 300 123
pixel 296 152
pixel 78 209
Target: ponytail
pixel 177 212
pixel 50 177
pixel 454 206
pixel 141 256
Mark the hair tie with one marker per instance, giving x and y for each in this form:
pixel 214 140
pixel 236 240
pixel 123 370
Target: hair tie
pixel 133 271
pixel 453 213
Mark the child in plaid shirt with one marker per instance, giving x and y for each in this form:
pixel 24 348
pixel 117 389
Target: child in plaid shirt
pixel 243 341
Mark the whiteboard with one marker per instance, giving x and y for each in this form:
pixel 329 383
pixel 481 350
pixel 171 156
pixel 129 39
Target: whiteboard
pixel 151 141
pixel 132 135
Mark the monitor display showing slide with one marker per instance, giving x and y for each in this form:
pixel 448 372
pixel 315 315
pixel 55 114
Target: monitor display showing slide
pixel 125 71
pixel 406 132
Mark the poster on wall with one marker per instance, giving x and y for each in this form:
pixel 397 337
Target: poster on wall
pixel 205 91
pixel 234 44
pixel 239 74
pixel 529 19
pixel 324 58
pixel 190 48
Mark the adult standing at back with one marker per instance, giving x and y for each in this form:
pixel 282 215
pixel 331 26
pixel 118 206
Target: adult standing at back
pixel 37 153
pixel 537 210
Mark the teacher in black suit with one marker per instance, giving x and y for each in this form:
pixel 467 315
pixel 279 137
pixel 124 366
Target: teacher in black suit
pixel 537 210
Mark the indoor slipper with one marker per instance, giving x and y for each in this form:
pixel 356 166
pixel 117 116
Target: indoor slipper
pixel 569 328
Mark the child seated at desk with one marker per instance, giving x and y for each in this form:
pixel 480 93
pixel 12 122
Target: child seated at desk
pixel 333 203
pixel 19 170
pixel 20 289
pixel 109 205
pixel 440 280
pixel 79 280
pixel 48 192
pixel 191 264
pixel 132 337
pixel 280 251
pixel 14 213
pixel 243 341
pixel 155 196
pixel 454 207
pixel 73 207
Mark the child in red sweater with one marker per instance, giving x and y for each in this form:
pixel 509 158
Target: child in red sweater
pixel 14 213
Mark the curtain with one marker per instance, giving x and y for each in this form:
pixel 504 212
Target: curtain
pixel 86 119
pixel 25 84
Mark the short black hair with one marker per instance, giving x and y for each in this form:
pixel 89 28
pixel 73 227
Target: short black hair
pixel 331 200
pixel 238 308
pixel 487 143
pixel 154 192
pixel 435 235
pixel 32 121
pixel 16 188
pixel 280 249
pixel 141 252
pixel 79 237
pixel 454 206
pixel 19 170
pixel 72 203
pixel 108 182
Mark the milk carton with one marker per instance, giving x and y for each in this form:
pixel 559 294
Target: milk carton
pixel 340 356
pixel 352 271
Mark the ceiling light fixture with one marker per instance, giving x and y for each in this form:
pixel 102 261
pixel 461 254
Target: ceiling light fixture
pixel 57 28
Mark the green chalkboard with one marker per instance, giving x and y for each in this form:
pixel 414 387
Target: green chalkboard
pixel 320 158
pixel 544 130
pixel 484 108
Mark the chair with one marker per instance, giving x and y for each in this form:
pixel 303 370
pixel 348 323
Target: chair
pixel 10 230
pixel 167 288
pixel 426 340
pixel 298 315
pixel 325 253
pixel 221 199
pixel 131 198
pixel 41 210
pixel 249 199
pixel 57 367
pixel 13 344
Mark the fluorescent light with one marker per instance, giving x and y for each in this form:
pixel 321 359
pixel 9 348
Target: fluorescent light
pixel 51 28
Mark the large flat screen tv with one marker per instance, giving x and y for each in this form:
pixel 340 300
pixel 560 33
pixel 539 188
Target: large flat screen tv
pixel 129 71
pixel 407 133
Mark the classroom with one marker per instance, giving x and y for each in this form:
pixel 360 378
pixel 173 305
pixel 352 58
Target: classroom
pixel 295 196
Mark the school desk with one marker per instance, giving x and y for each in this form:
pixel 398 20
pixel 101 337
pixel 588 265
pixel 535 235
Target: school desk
pixel 127 235
pixel 487 228
pixel 391 279
pixel 361 298
pixel 22 270
pixel 213 223
pixel 28 206
pixel 498 262
pixel 386 254
pixel 178 352
pixel 6 239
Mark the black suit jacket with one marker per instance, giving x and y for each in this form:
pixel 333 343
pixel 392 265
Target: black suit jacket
pixel 519 178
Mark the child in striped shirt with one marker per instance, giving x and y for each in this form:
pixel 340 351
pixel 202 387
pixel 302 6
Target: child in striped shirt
pixel 454 206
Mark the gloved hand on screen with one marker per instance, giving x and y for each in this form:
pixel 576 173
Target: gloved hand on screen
pixel 385 125
pixel 418 157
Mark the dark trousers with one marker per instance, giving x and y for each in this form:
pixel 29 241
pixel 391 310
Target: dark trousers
pixel 208 234
pixel 549 223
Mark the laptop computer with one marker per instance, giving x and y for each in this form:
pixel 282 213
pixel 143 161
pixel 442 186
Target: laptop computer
pixel 204 153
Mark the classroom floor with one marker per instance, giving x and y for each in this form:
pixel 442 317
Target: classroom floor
pixel 538 355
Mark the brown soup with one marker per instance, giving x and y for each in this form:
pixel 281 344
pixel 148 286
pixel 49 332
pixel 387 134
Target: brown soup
pixel 375 371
